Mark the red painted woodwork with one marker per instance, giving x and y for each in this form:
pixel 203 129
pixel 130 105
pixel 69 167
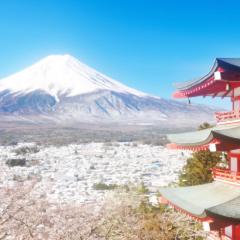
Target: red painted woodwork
pixel 221 145
pixel 235 98
pixel 221 84
pixel 217 225
pixel 192 148
pixel 235 232
pixel 199 219
pixel 236 156
pixel 226 175
pixel 226 228
pixel 212 87
pixel 227 116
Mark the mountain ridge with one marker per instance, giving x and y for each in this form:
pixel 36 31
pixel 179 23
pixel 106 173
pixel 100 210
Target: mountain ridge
pixel 61 89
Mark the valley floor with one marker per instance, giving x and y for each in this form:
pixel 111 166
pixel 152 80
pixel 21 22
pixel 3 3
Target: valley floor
pixel 67 174
pixel 66 192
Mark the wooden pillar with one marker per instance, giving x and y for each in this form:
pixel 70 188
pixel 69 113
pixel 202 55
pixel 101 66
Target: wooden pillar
pixel 237 232
pixel 231 232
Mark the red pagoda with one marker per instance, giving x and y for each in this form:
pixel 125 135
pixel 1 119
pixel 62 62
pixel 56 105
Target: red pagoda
pixel 216 204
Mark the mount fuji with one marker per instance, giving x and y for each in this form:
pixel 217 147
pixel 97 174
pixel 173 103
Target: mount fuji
pixel 61 89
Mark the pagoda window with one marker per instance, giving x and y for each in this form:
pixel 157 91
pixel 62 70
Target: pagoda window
pixel 232 232
pixel 235 161
pixel 229 231
pixel 234 164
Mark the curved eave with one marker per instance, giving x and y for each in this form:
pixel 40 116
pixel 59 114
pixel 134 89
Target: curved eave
pixel 195 138
pixel 224 137
pixel 188 84
pixel 229 209
pixel 217 197
pixel 207 86
pixel 192 148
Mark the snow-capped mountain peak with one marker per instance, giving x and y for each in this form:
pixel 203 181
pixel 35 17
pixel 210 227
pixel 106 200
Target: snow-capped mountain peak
pixel 60 75
pixel 61 89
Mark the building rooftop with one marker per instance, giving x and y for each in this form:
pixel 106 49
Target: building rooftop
pixel 232 64
pixel 217 134
pixel 216 197
pixel 215 83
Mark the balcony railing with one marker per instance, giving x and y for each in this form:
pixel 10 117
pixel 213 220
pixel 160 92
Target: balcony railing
pixel 226 175
pixel 227 116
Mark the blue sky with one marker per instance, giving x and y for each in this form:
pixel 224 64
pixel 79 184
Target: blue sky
pixel 145 44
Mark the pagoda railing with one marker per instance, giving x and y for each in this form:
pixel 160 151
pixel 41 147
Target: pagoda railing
pixel 227 116
pixel 226 175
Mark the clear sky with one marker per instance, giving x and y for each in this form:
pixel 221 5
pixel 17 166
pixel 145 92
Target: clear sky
pixel 145 44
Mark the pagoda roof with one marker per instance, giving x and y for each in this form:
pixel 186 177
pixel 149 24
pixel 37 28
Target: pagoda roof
pixel 232 64
pixel 208 85
pixel 227 136
pixel 228 209
pixel 217 198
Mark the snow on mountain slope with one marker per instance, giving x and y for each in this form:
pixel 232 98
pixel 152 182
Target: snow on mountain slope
pixel 59 88
pixel 62 75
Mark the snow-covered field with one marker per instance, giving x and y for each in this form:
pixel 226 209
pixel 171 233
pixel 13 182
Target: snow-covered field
pixel 67 174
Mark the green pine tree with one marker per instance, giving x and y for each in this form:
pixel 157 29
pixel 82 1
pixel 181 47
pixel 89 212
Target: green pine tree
pixel 198 168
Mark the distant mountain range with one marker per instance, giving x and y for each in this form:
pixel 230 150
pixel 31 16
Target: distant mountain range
pixel 60 89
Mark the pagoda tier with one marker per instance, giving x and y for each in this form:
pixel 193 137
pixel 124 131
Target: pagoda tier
pixel 219 138
pixel 203 201
pixel 216 204
pixel 222 81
